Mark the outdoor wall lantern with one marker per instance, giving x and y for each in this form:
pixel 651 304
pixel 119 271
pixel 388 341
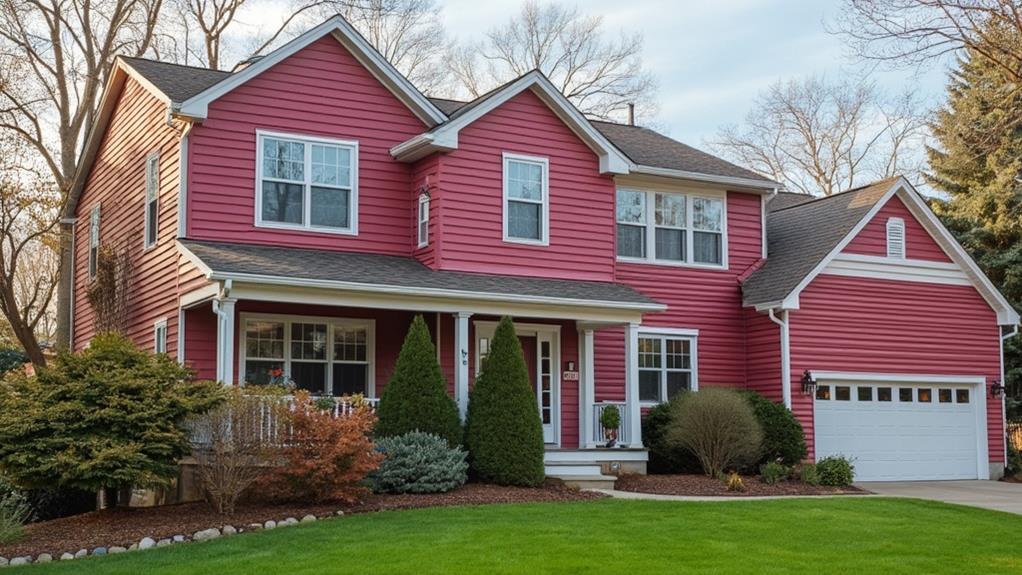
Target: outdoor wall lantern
pixel 808 383
pixel 996 389
pixel 571 366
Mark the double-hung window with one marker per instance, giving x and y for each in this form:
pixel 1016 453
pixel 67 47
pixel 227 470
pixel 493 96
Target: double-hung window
pixel 667 366
pixel 93 241
pixel 324 356
pixel 152 198
pixel 160 336
pixel 423 221
pixel 526 200
pixel 671 228
pixel 307 183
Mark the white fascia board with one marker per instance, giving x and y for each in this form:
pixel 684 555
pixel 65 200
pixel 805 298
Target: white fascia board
pixel 198 106
pixel 761 186
pixel 852 376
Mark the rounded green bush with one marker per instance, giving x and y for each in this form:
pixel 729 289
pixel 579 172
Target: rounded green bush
pixel 418 462
pixel 835 471
pixel 783 437
pixel 774 472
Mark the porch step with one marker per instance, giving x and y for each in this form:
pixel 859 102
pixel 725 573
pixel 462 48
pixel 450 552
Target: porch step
pixel 555 468
pixel 588 481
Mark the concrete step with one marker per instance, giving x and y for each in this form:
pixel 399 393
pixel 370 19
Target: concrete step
pixel 558 468
pixel 588 481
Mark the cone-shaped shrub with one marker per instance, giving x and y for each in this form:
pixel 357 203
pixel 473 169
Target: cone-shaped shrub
pixel 416 397
pixel 503 433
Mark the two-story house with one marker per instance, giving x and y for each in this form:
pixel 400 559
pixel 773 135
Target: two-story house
pixel 296 213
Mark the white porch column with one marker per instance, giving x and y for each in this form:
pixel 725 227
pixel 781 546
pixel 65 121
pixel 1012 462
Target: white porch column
pixel 224 309
pixel 461 362
pixel 587 389
pixel 632 385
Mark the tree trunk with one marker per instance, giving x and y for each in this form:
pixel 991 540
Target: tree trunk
pixel 65 287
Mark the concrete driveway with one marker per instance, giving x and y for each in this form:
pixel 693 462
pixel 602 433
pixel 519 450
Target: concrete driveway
pixel 995 495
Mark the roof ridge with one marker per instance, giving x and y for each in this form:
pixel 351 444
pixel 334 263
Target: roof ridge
pixel 165 63
pixel 839 194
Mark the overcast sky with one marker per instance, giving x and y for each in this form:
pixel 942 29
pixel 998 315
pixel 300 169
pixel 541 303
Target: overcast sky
pixel 711 57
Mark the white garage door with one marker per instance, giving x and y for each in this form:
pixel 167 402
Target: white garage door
pixel 900 431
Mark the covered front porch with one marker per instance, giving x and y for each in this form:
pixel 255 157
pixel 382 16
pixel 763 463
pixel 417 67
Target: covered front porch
pixel 343 339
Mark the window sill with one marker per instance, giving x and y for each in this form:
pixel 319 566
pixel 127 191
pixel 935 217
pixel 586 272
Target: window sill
pixel 672 264
pixel 537 243
pixel 308 229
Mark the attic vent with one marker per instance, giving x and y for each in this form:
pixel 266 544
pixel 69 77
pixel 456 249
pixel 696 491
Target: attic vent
pixel 896 238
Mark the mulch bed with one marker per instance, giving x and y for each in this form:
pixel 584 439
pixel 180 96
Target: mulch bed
pixel 124 526
pixel 700 485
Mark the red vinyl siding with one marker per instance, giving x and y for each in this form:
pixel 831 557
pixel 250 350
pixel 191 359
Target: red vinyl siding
pixel 200 341
pixel 581 200
pixel 763 355
pixel 883 326
pixel 426 176
pixel 707 300
pixel 117 184
pixel 321 91
pixel 872 240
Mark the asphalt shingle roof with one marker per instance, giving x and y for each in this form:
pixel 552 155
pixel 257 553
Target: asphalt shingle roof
pixel 801 235
pixel 178 82
pixel 395 271
pixel 788 199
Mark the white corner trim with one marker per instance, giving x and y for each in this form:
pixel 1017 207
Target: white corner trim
pixel 445 137
pixel 182 180
pixel 198 105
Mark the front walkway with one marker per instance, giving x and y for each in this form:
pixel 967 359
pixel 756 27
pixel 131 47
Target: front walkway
pixel 996 495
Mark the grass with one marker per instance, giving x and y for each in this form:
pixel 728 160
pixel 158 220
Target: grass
pixel 840 535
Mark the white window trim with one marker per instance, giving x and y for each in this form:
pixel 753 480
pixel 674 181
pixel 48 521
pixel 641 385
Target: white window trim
pixel 674 333
pixel 153 160
pixel 352 229
pixel 94 222
pixel 368 324
pixel 160 325
pixel 650 229
pixel 897 225
pixel 422 217
pixel 545 163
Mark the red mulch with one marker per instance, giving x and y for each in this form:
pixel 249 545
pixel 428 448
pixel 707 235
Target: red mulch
pixel 700 485
pixel 124 526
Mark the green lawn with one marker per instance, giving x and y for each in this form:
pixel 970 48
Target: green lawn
pixel 848 535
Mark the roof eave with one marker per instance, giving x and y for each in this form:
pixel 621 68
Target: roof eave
pixel 759 186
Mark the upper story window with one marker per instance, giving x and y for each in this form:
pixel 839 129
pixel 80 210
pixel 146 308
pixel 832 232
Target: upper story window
pixel 307 183
pixel 671 228
pixel 666 365
pixel 526 200
pixel 896 238
pixel 152 198
pixel 93 241
pixel 423 220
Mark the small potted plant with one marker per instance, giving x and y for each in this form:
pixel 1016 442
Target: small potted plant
pixel 610 419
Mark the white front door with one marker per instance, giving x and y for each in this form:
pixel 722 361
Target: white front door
pixel 902 431
pixel 541 350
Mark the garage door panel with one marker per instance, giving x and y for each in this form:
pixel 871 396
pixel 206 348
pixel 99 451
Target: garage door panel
pixel 899 439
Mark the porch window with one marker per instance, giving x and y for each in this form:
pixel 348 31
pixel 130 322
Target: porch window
pixel 683 229
pixel 320 355
pixel 526 201
pixel 93 242
pixel 152 198
pixel 307 183
pixel 666 366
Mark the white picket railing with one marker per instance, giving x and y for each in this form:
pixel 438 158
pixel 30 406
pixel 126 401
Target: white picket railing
pixel 600 434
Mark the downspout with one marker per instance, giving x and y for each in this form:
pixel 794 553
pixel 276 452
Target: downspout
pixel 785 356
pixel 1004 399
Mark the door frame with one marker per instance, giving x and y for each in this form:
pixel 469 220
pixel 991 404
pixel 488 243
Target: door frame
pixel 977 383
pixel 541 331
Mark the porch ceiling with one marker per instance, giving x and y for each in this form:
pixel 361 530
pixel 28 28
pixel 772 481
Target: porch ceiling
pixel 396 276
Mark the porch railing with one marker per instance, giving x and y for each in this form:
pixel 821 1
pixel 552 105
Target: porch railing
pixel 264 418
pixel 600 433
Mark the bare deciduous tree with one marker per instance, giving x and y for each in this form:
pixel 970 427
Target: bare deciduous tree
pixel 915 31
pixel 815 136
pixel 599 74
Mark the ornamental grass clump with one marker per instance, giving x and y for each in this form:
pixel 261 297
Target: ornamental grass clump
pixel 15 512
pixel 418 462
pixel 719 427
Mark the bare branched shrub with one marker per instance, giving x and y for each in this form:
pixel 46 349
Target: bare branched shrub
pixel 718 426
pixel 109 291
pixel 234 446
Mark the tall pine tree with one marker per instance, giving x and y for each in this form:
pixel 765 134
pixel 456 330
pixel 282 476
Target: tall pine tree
pixel 978 163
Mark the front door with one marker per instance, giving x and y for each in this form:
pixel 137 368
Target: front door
pixel 539 349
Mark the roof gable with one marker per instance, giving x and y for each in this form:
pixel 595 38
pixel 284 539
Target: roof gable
pixel 445 136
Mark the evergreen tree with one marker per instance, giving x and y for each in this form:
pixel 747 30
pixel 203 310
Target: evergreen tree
pixel 978 163
pixel 416 397
pixel 111 416
pixel 504 433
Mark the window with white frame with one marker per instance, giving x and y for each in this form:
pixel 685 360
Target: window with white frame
pixel 666 366
pixel 307 183
pixel 680 228
pixel 93 241
pixel 321 355
pixel 160 336
pixel 152 198
pixel 423 220
pixel 896 238
pixel 526 201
